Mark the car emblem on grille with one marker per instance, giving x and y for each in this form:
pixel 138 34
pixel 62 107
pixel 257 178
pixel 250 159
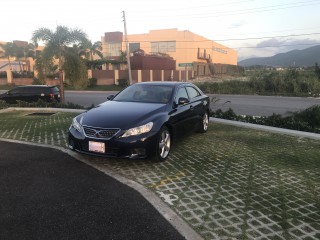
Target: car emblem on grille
pixel 97 134
pixel 100 133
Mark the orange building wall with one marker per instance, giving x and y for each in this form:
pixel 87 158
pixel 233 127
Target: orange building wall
pixel 187 44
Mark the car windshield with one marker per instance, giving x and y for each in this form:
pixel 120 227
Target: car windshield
pixel 145 93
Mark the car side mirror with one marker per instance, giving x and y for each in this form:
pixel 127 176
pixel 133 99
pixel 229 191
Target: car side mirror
pixel 110 97
pixel 183 101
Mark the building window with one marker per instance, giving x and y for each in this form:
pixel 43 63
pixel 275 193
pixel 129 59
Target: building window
pixel 163 47
pixel 113 49
pixel 133 47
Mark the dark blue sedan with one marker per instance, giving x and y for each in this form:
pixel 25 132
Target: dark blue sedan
pixel 141 121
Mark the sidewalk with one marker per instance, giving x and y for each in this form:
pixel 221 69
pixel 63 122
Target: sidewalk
pixel 268 128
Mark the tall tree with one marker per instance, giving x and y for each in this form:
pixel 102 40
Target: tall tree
pixel 89 49
pixel 56 44
pixel 75 68
pixel 29 51
pixel 9 51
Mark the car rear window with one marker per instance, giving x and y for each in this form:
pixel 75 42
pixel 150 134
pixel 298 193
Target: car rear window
pixel 55 90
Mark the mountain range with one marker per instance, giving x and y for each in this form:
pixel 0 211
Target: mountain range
pixel 295 58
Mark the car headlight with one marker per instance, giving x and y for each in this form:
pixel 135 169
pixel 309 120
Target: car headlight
pixel 138 130
pixel 76 125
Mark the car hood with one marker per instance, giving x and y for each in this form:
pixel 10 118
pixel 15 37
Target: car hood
pixel 123 115
pixel 3 94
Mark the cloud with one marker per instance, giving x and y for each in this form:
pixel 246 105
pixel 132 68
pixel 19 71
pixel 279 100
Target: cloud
pixel 273 46
pixel 270 43
pixel 237 25
pixel 288 44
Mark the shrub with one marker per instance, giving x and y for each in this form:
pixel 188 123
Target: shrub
pixel 23 74
pixel 3 104
pixel 37 81
pixel 307 120
pixel 52 75
pixel 123 82
pixel 41 104
pixel 290 82
pixel 229 114
pixel 3 74
pixel 92 82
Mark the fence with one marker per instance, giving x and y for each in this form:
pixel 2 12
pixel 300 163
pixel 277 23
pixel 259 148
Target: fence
pixel 109 77
pixel 25 81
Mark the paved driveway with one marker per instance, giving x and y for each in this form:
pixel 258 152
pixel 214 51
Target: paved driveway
pixel 230 183
pixel 46 194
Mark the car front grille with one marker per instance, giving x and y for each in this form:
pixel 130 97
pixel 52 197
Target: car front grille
pixel 100 133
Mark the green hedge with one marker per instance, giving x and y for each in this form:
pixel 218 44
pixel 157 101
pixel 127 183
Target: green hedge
pixel 41 104
pixel 290 82
pixel 307 120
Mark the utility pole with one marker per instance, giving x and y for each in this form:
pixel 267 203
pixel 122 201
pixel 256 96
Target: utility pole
pixel 127 47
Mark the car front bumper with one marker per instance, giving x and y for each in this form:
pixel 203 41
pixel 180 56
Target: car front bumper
pixel 140 146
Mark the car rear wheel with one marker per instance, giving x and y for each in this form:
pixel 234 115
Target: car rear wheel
pixel 203 126
pixel 163 145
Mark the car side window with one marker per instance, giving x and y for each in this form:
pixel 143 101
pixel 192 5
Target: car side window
pixel 26 90
pixel 182 92
pixel 192 92
pixel 15 91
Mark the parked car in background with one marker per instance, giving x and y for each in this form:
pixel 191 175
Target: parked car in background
pixel 141 121
pixel 32 93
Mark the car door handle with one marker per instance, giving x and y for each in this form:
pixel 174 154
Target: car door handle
pixel 191 107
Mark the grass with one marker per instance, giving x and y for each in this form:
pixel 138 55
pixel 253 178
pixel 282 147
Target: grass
pixel 51 130
pixel 228 183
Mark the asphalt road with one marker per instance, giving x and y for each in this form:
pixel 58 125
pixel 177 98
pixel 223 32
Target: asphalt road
pixel 46 194
pixel 241 104
pixel 263 105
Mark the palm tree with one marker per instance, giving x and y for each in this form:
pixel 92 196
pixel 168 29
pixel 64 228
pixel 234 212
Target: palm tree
pixel 94 49
pixel 89 49
pixel 29 51
pixel 56 44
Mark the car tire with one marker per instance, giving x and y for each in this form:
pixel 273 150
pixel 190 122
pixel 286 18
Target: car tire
pixel 203 125
pixel 163 145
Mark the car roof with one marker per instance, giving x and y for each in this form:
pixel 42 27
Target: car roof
pixel 35 86
pixel 163 83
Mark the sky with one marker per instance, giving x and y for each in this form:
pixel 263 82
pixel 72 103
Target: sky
pixel 254 28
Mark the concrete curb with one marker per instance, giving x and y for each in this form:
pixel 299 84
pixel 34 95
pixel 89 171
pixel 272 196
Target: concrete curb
pixel 43 109
pixel 267 128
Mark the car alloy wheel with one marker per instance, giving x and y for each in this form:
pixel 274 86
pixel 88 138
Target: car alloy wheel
pixel 164 144
pixel 204 123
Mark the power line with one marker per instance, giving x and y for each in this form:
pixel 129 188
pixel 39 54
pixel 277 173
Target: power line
pixel 237 48
pixel 206 6
pixel 284 45
pixel 257 38
pixel 282 30
pixel 237 39
pixel 242 11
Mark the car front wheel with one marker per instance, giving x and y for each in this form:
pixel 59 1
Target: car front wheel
pixel 163 145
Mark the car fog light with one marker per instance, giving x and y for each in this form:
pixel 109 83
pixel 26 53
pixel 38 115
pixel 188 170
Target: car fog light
pixel 138 152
